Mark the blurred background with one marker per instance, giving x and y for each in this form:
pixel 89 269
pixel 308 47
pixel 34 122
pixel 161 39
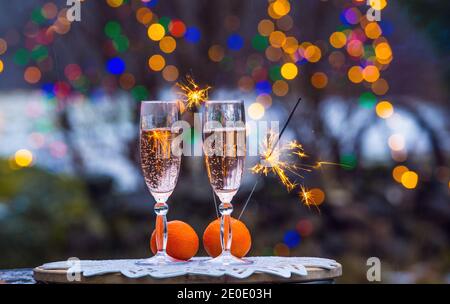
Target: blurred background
pixel 375 100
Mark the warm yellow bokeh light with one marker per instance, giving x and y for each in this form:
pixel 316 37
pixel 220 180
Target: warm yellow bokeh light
pixel 312 53
pixel 23 158
pixel 319 80
pixel 383 51
pixel 144 15
pixel 277 39
pixel 371 73
pixel 290 45
pixel 1 66
pixel 355 74
pixel 338 40
pixel 272 13
pixel 167 44
pixel 317 196
pixel 256 111
pixel 410 179
pixel 265 27
pixel 156 32
pixel 384 109
pixel 373 30
pixel 289 70
pixel 156 62
pixel 398 172
pixel 281 7
pixel 378 4
pixel 280 88
pixel 114 3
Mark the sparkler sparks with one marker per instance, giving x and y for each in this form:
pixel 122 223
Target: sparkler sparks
pixel 275 159
pixel 307 197
pixel 191 92
pixel 272 160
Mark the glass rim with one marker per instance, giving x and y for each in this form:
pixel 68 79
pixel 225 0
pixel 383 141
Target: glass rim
pixel 224 101
pixel 158 101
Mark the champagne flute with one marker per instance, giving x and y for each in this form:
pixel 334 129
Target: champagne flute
pixel 160 166
pixel 224 145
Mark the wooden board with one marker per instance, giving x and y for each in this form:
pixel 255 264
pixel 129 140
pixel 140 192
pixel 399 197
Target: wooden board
pixel 59 276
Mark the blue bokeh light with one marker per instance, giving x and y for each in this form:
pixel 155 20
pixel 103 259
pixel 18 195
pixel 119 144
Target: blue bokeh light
pixel 115 66
pixel 235 42
pixel 192 34
pixel 292 238
pixel 263 87
pixel 150 3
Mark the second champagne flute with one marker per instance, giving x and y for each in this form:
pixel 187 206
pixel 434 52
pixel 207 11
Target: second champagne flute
pixel 224 136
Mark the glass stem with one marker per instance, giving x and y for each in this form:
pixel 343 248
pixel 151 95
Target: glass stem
pixel 161 209
pixel 226 236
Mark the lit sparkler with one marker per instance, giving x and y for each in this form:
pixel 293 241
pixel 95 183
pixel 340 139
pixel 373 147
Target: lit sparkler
pixel 273 160
pixel 191 93
pixel 283 162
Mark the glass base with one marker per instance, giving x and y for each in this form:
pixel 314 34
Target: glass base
pixel 225 259
pixel 161 258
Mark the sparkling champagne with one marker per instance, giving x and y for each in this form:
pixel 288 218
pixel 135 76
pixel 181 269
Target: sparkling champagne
pixel 159 164
pixel 224 155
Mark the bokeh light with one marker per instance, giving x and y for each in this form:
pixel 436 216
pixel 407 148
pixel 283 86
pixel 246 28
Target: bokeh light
pixel 167 44
pixel 3 46
pixel 371 73
pixel 115 66
pixel 410 179
pixel 23 158
pixel 277 39
pixel 338 40
pixel 156 62
pixel 144 15
pixel 235 42
pixel 317 196
pixel 280 88
pixel 290 45
pixel 398 172
pixel 177 28
pixel 384 109
pixel 312 53
pixel 256 111
pixel 289 70
pixel 355 74
pixel 396 142
pixel 265 27
pixel 216 53
pixel 170 73
pixel 156 32
pixel 192 34
pixel 319 80
pixel 32 75
pixel 114 3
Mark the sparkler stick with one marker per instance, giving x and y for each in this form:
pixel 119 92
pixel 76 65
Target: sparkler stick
pixel 248 200
pixel 286 124
pixel 215 202
pixel 272 148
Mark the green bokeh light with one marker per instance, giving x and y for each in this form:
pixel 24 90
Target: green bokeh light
pixel 112 29
pixel 260 43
